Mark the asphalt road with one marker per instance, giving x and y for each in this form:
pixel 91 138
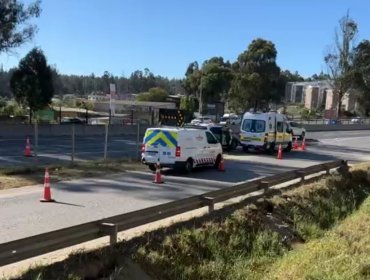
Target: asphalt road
pixel 21 213
pixel 59 149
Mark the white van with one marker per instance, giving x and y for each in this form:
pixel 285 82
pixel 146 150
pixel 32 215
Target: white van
pixel 204 119
pixel 265 131
pixel 232 119
pixel 180 148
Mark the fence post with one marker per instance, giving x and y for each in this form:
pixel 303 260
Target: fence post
pixel 106 142
pixel 73 143
pixel 36 138
pixel 138 141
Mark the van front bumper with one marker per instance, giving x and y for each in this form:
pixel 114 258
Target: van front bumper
pixel 257 147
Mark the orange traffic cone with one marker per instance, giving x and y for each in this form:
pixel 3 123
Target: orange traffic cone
pixel 221 165
pixel 280 153
pixel 47 191
pixel 158 175
pixel 303 147
pixel 295 145
pixel 27 150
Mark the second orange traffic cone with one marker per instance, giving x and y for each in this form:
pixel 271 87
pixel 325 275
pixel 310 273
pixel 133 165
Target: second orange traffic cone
pixel 158 175
pixel 303 147
pixel 295 145
pixel 280 153
pixel 27 150
pixel 47 190
pixel 221 166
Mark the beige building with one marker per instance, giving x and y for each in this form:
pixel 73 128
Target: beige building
pixel 349 102
pixel 331 104
pixel 311 97
pixel 331 100
pixel 295 91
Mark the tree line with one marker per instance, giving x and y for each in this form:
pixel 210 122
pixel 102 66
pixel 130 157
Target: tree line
pixel 254 80
pixel 138 82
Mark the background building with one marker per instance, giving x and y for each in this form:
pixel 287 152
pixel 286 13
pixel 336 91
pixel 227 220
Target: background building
pixel 319 95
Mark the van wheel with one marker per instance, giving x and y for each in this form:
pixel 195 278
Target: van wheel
pixel 217 162
pixel 152 167
pixel 188 166
pixel 289 147
pixel 234 144
pixel 271 149
pixel 245 149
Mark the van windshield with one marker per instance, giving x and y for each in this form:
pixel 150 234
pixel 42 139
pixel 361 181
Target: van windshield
pixel 254 125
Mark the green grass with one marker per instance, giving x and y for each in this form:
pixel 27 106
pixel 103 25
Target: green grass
pixel 342 253
pixel 214 252
pixel 243 246
pixel 317 208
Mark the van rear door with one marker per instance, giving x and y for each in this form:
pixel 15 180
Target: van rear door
pixel 212 148
pixel 160 145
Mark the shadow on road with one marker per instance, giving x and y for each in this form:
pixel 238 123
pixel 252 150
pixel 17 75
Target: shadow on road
pixel 176 186
pixel 69 204
pixel 307 155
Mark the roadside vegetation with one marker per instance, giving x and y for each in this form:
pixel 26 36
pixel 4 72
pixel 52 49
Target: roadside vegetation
pixel 342 253
pixel 246 244
pixel 27 176
pixel 318 231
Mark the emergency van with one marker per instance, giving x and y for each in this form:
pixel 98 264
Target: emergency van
pixel 180 148
pixel 265 131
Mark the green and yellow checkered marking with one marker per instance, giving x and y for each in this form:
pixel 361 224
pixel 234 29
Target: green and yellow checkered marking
pixel 160 138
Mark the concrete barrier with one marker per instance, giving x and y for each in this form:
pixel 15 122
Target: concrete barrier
pixel 24 130
pixel 323 127
pixel 335 127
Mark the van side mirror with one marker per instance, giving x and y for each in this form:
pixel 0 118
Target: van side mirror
pixel 289 130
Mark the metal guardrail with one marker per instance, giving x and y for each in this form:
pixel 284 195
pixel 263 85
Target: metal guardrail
pixel 25 248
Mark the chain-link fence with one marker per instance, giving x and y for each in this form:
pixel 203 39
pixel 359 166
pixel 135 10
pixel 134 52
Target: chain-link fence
pixel 51 144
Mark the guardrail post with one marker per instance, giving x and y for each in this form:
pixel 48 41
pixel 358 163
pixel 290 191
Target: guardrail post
pixel 327 169
pixel 301 175
pixel 343 168
pixel 111 230
pixel 209 201
pixel 264 185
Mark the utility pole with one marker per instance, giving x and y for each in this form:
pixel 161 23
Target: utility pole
pixel 201 97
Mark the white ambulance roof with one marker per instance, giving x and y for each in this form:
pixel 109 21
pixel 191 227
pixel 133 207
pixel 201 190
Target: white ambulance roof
pixel 175 129
pixel 261 116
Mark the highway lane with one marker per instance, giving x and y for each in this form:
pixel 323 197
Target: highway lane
pixel 85 200
pixel 21 213
pixel 58 149
pixel 79 201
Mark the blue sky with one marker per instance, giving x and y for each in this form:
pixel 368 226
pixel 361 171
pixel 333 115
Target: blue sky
pixel 121 36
